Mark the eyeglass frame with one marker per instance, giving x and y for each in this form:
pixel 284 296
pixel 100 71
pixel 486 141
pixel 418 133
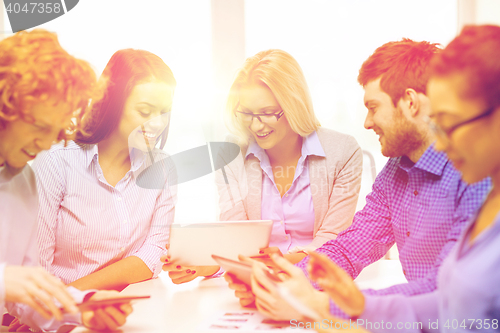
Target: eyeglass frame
pixel 278 115
pixel 439 131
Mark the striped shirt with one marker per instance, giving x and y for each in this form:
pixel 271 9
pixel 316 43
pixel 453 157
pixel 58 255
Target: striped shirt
pixel 422 207
pixel 85 224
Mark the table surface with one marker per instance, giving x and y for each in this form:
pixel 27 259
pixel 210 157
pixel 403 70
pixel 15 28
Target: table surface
pixel 184 308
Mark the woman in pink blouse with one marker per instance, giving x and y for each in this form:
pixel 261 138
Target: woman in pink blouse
pixel 97 227
pixel 303 177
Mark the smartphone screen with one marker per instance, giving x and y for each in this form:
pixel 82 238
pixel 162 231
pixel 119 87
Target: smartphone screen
pixel 90 305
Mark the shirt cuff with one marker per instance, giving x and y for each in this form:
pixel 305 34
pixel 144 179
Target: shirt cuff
pixel 336 312
pixel 217 274
pixel 150 254
pixel 52 325
pixel 375 312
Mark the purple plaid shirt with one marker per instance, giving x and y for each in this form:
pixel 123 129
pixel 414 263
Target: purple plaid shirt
pixel 422 207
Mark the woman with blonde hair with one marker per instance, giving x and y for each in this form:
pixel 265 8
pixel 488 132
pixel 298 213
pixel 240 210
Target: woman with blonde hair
pixel 304 178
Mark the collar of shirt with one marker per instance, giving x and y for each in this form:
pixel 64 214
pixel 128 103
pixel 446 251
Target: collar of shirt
pixel 5 175
pixel 431 161
pixel 7 172
pixel 136 156
pixel 310 146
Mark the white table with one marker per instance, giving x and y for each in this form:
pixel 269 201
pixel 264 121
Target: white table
pixel 176 308
pixel 183 308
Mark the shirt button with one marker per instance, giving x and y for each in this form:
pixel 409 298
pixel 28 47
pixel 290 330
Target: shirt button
pixel 118 199
pixel 416 192
pixel 122 249
pixel 124 221
pixel 281 221
pixel 408 234
pixel 286 195
pixel 286 237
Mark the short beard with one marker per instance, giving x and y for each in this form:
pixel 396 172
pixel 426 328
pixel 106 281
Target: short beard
pixel 403 139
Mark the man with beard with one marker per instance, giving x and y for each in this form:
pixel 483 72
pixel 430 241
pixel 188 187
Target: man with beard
pixel 418 200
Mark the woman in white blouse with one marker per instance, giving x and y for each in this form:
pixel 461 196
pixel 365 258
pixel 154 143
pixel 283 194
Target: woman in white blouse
pixel 99 227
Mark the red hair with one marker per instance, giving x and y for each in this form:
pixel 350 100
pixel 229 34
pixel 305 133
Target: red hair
pixel 33 68
pixel 400 65
pixel 124 71
pixel 475 53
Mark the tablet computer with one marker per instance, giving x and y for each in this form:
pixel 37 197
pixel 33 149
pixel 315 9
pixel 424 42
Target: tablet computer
pixel 194 244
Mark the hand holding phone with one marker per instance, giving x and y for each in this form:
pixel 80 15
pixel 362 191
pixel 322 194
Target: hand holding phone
pixel 299 306
pixel 107 310
pixel 241 270
pixel 301 295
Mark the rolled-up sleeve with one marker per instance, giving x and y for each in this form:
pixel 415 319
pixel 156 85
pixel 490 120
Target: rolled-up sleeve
pixel 154 245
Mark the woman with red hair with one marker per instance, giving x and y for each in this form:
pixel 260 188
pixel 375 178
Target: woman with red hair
pixel 97 227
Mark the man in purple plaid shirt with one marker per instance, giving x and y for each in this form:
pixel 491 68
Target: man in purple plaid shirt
pixel 418 200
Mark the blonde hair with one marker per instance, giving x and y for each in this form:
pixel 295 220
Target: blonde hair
pixel 280 72
pixel 35 68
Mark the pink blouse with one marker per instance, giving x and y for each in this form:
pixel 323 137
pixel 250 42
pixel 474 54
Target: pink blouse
pixel 86 224
pixel 293 214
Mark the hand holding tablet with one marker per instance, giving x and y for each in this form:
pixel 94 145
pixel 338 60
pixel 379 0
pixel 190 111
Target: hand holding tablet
pixel 194 244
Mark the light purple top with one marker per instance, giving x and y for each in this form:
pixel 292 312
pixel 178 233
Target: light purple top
pixel 467 296
pixel 292 214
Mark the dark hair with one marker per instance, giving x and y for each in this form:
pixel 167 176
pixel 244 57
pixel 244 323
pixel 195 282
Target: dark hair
pixel 401 65
pixel 124 71
pixel 34 68
pixel 475 53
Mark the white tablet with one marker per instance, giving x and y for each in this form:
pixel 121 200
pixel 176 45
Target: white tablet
pixel 194 244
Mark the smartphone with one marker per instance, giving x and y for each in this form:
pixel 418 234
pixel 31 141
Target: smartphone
pixel 242 270
pixel 90 305
pixel 260 256
pixel 298 305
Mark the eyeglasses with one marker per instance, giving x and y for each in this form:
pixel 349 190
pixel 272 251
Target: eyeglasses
pixel 446 133
pixel 267 118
